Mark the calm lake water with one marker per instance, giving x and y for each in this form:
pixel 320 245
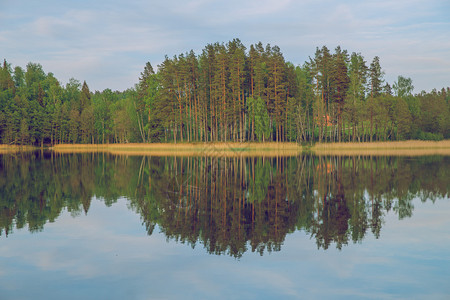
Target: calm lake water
pixel 99 226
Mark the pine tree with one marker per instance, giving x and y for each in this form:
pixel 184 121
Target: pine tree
pixel 356 93
pixel 6 80
pixel 142 90
pixel 168 98
pixel 341 83
pixel 221 94
pixel 376 77
pixel 236 53
pixel 85 97
pixel 276 90
pixel 258 76
pixel 376 81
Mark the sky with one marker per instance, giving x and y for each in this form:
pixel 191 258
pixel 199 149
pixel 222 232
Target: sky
pixel 107 42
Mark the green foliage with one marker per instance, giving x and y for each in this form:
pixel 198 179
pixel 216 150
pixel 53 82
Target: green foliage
pixel 375 77
pixel 428 136
pixel 24 132
pixel 403 119
pixel 403 87
pixel 225 94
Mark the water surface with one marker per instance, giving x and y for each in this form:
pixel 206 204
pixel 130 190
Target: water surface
pixel 99 226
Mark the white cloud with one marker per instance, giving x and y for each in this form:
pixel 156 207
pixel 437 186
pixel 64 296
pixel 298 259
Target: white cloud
pixel 107 42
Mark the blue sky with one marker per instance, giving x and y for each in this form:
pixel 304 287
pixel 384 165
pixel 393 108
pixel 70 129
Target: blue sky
pixel 107 43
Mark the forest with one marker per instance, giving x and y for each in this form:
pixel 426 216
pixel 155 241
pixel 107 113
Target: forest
pixel 226 93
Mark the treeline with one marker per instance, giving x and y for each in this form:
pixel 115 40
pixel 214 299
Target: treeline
pixel 36 109
pixel 227 93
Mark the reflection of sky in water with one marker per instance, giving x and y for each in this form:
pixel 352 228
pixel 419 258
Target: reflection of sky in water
pixel 108 255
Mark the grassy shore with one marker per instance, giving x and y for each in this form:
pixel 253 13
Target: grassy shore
pixel 406 148
pixel 232 149
pixel 219 149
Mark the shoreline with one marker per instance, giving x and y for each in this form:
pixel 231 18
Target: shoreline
pixel 5 149
pixel 234 149
pixel 216 149
pixel 391 148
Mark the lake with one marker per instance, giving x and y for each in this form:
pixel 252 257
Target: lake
pixel 103 226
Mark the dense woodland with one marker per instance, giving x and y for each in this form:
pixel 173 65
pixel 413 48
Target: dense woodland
pixel 226 205
pixel 227 93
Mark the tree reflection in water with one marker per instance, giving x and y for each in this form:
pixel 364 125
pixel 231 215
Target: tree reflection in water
pixel 229 205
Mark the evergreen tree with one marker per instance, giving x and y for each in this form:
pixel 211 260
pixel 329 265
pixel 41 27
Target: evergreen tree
pixel 143 104
pixel 276 93
pixel 376 77
pixel 356 93
pixel 85 97
pixel 341 82
pixel 236 53
pixel 376 81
